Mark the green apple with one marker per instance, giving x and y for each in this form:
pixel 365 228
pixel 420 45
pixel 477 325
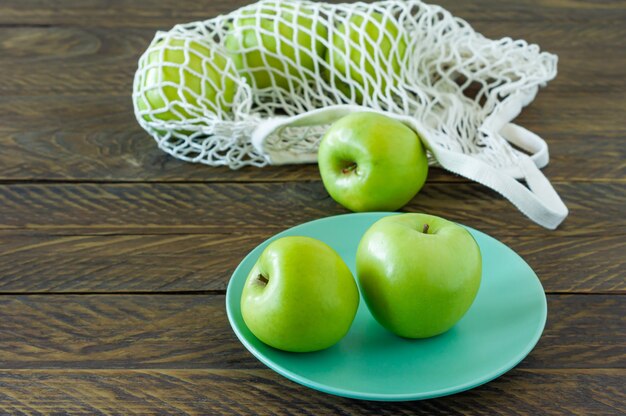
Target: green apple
pixel 362 47
pixel 371 162
pixel 183 79
pixel 276 42
pixel 418 273
pixel 300 296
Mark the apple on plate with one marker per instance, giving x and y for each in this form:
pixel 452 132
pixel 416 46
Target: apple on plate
pixel 366 50
pixel 274 42
pixel 183 79
pixel 371 162
pixel 300 296
pixel 418 273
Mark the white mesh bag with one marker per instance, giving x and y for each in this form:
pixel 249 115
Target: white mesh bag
pixel 260 86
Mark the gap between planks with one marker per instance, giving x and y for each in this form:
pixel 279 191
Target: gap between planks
pixel 222 292
pixel 455 180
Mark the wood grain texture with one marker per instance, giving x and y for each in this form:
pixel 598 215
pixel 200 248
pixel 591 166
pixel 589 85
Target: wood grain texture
pixel 129 13
pixel 73 60
pixel 64 61
pixel 192 331
pixel 553 112
pixel 595 208
pixel 184 263
pixel 89 207
pixel 247 392
pixel 125 263
pixel 96 138
pixel 575 264
pixel 67 96
pixel 116 155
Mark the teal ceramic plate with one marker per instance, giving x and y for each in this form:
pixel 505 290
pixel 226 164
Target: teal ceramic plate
pixel 500 329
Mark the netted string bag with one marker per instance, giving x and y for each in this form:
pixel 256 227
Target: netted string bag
pixel 260 86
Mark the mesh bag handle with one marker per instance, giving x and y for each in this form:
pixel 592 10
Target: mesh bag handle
pixel 259 86
pixel 539 201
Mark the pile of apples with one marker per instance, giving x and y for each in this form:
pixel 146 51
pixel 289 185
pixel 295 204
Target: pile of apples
pixel 418 274
pixel 272 45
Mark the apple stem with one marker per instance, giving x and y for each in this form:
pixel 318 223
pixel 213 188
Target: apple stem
pixel 262 280
pixel 349 169
pixel 425 229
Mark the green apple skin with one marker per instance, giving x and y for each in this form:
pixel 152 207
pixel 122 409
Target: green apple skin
pixel 365 38
pixel 163 82
pixel 418 284
pixel 371 162
pixel 300 296
pixel 253 50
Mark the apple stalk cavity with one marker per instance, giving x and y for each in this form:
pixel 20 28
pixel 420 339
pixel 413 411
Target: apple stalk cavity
pixel 262 280
pixel 349 169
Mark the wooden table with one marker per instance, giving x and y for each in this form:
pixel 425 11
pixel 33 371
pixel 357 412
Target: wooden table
pixel 114 257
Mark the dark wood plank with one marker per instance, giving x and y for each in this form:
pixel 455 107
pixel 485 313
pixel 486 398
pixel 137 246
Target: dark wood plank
pixel 192 331
pixel 128 13
pixel 558 112
pixel 175 263
pixel 92 137
pixel 126 153
pixel 71 60
pixel 592 157
pixel 70 209
pixel 131 155
pixel 571 316
pixel 576 12
pixel 66 116
pixel 245 392
pixel 118 331
pixel 99 139
pixel 101 13
pixel 105 264
pixel 575 264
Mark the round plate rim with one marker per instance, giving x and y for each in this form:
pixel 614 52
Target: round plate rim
pixel 383 396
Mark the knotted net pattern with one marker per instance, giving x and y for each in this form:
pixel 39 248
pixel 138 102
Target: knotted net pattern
pixel 202 88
